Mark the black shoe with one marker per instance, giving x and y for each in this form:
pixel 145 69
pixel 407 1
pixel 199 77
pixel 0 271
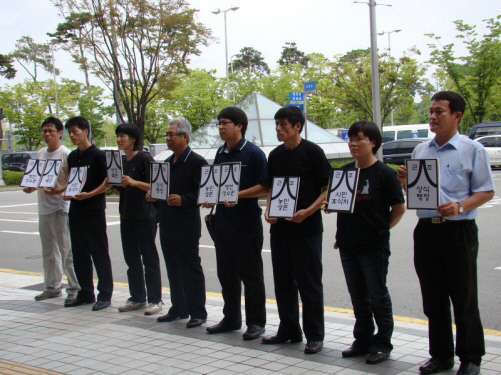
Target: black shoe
pixel 468 368
pixel 171 317
pixel 253 332
pixel 194 322
pixel 434 365
pixel 279 339
pixel 313 347
pixel 222 327
pixel 77 302
pixel 354 351
pixel 101 305
pixel 377 357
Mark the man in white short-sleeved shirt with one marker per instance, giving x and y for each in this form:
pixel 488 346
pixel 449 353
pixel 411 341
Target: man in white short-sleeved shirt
pixel 53 218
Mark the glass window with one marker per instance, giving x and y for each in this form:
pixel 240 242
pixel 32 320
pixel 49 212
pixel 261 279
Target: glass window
pixel 390 148
pixel 422 133
pixel 388 136
pixel 408 147
pixel 404 134
pixel 489 142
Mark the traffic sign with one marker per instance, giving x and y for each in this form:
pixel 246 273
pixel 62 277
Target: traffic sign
pixel 310 87
pixel 296 97
pixel 300 106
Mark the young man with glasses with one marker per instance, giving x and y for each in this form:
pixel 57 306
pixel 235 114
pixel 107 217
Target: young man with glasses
pixel 53 218
pixel 181 229
pixel 239 232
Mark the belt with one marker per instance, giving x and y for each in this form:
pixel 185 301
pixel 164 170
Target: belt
pixel 439 220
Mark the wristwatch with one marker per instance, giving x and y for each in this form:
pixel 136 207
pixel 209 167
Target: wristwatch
pixel 460 208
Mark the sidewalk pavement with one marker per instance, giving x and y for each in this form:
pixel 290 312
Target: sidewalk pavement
pixel 46 338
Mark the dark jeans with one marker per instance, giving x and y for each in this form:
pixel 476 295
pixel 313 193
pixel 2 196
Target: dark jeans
pixel 138 243
pixel 89 244
pixel 365 271
pixel 238 255
pixel 184 269
pixel 445 257
pixel 297 267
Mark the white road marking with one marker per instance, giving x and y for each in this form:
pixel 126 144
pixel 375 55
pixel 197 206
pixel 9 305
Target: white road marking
pixel 20 205
pixel 20 221
pixel 15 232
pixel 112 223
pixel 497 268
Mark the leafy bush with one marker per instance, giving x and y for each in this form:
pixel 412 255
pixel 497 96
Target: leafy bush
pixel 12 177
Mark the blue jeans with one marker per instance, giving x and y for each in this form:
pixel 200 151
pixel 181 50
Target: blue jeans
pixel 365 271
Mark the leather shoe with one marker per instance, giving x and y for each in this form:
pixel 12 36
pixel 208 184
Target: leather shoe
pixel 101 305
pixel 468 368
pixel 170 318
pixel 195 322
pixel 434 365
pixel 76 302
pixel 354 351
pixel 222 327
pixel 279 339
pixel 253 332
pixel 313 347
pixel 377 357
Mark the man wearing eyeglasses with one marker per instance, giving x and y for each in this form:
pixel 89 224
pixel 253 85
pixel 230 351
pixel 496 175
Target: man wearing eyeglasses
pixel 239 232
pixel 53 219
pixel 180 229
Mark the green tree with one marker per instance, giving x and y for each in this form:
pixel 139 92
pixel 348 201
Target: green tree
pixel 7 69
pixel 251 61
pixel 33 56
pixel 291 55
pixel 138 47
pixel 477 74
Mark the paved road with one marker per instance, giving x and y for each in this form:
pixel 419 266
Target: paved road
pixel 20 250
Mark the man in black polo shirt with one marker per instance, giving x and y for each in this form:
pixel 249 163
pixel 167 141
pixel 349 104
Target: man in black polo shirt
pixel 296 242
pixel 239 232
pixel 89 241
pixel 181 228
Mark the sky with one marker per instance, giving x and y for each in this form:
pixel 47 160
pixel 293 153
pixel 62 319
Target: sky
pixel 330 27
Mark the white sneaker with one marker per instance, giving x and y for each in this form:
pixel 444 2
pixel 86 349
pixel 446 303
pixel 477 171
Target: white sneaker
pixel 48 294
pixel 153 308
pixel 131 305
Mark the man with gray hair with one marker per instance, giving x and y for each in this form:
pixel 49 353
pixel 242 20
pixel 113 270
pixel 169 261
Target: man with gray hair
pixel 181 228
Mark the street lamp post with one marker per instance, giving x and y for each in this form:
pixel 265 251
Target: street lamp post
pixel 226 48
pixel 389 55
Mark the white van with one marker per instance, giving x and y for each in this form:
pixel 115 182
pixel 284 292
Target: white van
pixel 392 133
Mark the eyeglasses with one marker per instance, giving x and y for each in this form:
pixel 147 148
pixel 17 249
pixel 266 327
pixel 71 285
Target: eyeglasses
pixel 48 131
pixel 356 141
pixel 224 123
pixel 172 135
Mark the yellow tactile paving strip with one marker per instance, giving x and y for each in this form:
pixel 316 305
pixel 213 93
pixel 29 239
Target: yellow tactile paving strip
pixel 14 368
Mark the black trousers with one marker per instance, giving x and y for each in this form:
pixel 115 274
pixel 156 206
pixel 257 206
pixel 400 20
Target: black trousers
pixel 238 255
pixel 185 273
pixel 297 266
pixel 140 250
pixel 89 244
pixel 445 257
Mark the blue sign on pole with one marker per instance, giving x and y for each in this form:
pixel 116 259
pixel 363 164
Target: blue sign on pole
pixel 310 87
pixel 296 97
pixel 300 106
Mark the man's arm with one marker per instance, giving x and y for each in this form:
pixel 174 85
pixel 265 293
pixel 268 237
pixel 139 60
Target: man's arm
pixel 401 176
pixel 301 215
pixel 86 195
pixel 396 213
pixel 255 191
pixel 475 200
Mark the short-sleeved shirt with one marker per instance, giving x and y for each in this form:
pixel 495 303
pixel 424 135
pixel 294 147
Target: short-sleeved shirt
pixel 254 171
pixel 133 204
pixel 185 176
pixel 369 225
pixel 308 162
pixel 95 161
pixel 47 203
pixel 464 170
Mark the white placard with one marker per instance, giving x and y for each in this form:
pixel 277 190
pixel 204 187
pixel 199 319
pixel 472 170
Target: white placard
pixel 209 184
pixel 114 167
pixel 33 173
pixel 159 183
pixel 229 182
pixel 50 173
pixel 342 190
pixel 423 191
pixel 283 197
pixel 76 181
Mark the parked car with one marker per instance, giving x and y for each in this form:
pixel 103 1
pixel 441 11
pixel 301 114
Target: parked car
pixel 17 160
pixel 395 152
pixel 485 129
pixel 492 144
